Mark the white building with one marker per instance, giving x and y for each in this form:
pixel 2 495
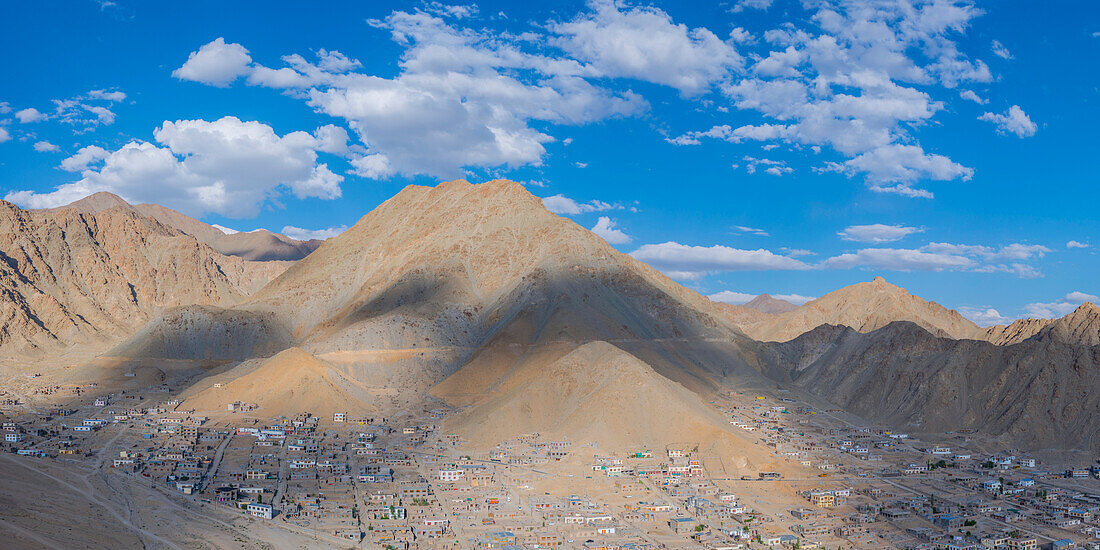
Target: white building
pixel 257 510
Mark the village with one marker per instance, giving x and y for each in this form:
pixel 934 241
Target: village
pixel 403 482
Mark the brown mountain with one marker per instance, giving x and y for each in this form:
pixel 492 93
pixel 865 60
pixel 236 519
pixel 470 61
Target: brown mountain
pixel 1036 394
pixel 600 393
pixel 438 278
pixel 73 278
pixel 765 303
pixel 863 307
pixel 1082 326
pixel 259 245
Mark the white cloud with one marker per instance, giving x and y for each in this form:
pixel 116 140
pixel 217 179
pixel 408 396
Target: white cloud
pixel 4 135
pixel 1077 244
pixel 773 167
pixel 796 299
pixel 227 166
pixel 5 107
pixel 113 95
pixel 29 115
pixel 1015 121
pixel 731 297
pixel 969 95
pixel 216 63
pixel 1000 50
pixel 856 83
pixel 741 5
pixel 308 234
pixel 688 262
pixel 605 228
pixel 750 230
pixel 560 204
pixel 984 316
pixel 45 147
pixel 946 257
pixel 645 44
pixel 1079 297
pixel 84 157
pixel 877 233
pixel 1065 306
pixel 899 260
pixel 740 298
pixel 462 99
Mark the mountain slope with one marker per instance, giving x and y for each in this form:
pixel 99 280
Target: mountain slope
pixel 863 307
pixel 72 278
pixel 1082 327
pixel 1035 394
pixel 259 245
pixel 286 384
pixel 450 269
pixel 768 304
pixel 600 393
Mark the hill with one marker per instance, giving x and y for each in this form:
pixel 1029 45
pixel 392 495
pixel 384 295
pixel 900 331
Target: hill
pixel 1034 394
pixel 765 303
pixel 863 307
pixel 259 245
pixel 450 270
pixel 286 384
pixel 599 393
pixel 74 283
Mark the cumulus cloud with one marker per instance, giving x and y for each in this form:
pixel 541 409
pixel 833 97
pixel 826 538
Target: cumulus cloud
pixel 308 234
pixel 740 298
pixel 4 135
pixel 114 96
pixel 1000 50
pixel 796 299
pixel 1014 121
pixel 216 63
pixel 1077 244
pixel 969 95
pixel 463 98
pixel 945 257
pixel 900 259
pixel 1065 306
pixel 45 147
pixel 855 80
pixel 877 233
pixel 84 157
pixel 731 297
pixel 690 262
pixel 227 166
pixel 645 44
pixel 605 228
pixel 773 167
pixel 984 316
pixel 742 5
pixel 29 115
pixel 560 204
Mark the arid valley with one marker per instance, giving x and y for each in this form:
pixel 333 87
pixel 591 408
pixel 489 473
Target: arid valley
pixel 557 275
pixel 508 380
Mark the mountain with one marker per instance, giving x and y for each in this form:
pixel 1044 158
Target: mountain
pixel 1082 326
pixel 286 384
pixel 75 282
pixel 863 307
pixel 765 303
pixel 600 393
pixel 436 276
pixel 258 245
pixel 1036 394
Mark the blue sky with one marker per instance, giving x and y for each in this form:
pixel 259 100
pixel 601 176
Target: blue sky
pixel 780 146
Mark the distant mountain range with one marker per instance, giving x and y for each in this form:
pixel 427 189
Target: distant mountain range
pixel 479 296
